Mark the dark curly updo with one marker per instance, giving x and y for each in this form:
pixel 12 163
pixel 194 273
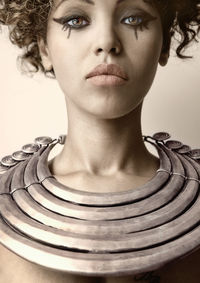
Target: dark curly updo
pixel 27 20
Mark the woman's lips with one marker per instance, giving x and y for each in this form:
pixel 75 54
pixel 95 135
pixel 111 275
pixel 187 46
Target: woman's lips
pixel 106 80
pixel 107 74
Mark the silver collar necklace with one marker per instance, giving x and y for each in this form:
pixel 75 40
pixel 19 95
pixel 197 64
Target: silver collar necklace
pixel 100 234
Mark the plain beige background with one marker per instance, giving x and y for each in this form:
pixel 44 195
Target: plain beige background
pixel 32 107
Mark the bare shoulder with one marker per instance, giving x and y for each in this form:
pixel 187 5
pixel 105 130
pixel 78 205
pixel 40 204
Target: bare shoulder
pixel 12 267
pixel 5 259
pixel 8 257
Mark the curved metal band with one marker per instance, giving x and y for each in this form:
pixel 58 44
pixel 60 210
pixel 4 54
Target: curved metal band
pixel 101 234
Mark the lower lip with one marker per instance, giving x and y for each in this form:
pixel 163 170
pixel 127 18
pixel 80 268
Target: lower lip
pixel 106 80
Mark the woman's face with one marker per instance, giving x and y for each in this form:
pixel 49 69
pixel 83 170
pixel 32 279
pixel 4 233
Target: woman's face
pixel 85 33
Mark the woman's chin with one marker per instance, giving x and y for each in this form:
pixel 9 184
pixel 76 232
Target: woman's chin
pixel 109 113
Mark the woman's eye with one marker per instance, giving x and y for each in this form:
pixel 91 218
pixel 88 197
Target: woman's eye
pixel 139 21
pixel 133 20
pixel 76 22
pixel 72 22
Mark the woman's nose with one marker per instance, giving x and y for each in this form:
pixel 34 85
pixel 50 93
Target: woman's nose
pixel 107 41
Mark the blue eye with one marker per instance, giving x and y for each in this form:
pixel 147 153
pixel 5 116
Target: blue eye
pixel 138 22
pixel 133 20
pixel 76 22
pixel 72 22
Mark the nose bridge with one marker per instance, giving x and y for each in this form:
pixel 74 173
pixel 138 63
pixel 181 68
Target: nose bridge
pixel 107 38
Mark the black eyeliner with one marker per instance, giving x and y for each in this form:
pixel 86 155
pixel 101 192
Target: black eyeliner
pixel 62 21
pixel 144 24
pixel 146 19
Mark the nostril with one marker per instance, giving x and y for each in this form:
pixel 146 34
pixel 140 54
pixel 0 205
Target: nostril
pixel 113 49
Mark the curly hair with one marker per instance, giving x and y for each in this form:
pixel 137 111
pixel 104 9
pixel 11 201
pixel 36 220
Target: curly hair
pixel 27 20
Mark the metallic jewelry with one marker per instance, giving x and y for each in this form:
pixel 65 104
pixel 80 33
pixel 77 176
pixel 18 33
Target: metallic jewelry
pixel 101 234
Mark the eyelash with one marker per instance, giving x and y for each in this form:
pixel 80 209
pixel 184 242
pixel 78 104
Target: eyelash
pixel 65 21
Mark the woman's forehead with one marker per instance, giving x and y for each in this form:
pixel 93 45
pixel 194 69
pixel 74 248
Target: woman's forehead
pixel 57 3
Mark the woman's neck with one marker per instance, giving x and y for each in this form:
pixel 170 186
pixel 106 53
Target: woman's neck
pixel 104 147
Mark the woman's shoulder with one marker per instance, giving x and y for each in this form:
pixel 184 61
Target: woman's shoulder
pixel 15 269
pixel 8 265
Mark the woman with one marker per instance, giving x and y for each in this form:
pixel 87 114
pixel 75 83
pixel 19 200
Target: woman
pixel 104 56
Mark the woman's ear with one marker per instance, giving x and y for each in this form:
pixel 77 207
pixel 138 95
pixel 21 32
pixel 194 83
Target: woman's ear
pixel 44 54
pixel 165 52
pixel 164 56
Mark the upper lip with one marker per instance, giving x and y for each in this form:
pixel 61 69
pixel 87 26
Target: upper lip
pixel 108 69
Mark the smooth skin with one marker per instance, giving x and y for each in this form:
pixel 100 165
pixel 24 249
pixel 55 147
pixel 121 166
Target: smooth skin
pixel 104 149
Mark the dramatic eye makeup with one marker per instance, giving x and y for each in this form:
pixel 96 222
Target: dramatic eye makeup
pixel 137 21
pixel 73 22
pixel 77 18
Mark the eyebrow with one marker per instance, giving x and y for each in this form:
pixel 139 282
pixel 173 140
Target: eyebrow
pixel 85 1
pixel 92 3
